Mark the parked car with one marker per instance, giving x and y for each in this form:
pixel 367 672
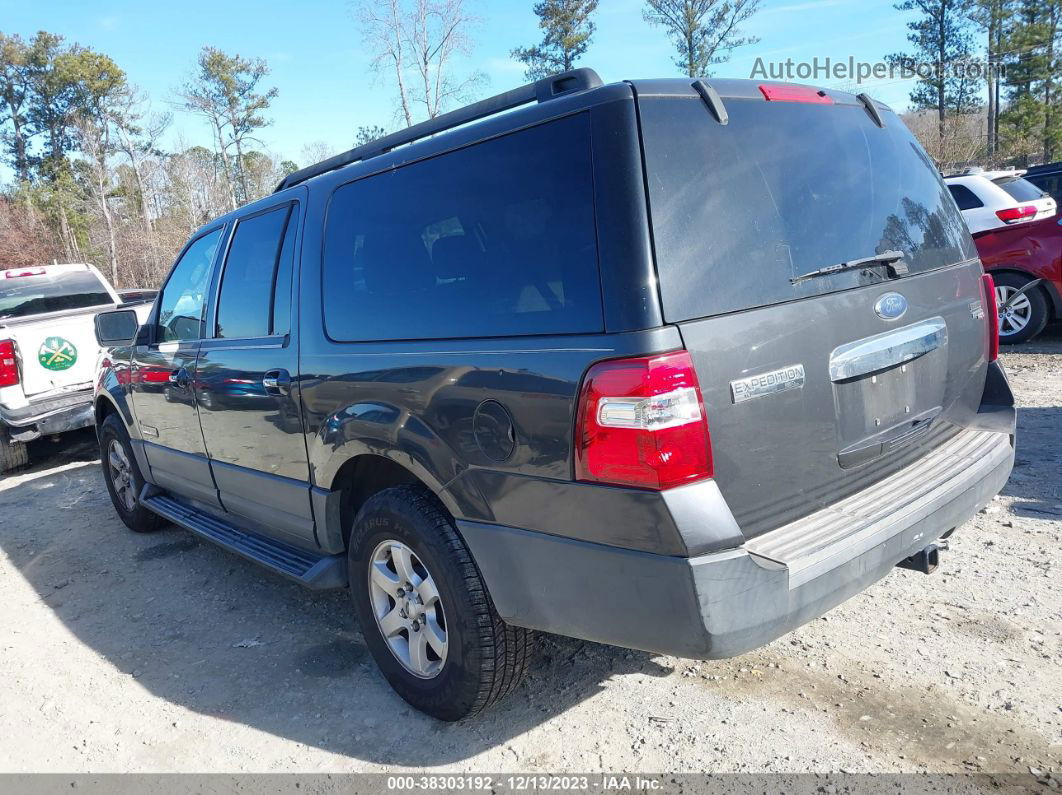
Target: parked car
pixel 1026 264
pixel 993 199
pixel 48 352
pixel 631 363
pixel 1048 178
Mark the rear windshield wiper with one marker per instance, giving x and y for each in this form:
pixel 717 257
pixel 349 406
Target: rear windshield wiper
pixel 890 259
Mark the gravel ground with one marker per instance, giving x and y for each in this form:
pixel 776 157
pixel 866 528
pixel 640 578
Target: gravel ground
pixel 159 653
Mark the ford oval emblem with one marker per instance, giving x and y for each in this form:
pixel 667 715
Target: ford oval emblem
pixel 890 306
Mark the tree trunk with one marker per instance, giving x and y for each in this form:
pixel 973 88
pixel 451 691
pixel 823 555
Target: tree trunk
pixel 991 79
pixel 226 165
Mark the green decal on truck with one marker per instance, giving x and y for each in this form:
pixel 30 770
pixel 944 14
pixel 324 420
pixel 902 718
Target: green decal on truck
pixel 57 354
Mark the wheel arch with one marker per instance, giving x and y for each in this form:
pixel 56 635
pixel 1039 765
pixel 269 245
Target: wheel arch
pixel 355 481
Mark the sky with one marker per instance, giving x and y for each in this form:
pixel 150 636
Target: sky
pixel 320 64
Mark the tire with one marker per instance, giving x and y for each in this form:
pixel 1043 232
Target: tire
pixel 13 455
pixel 124 481
pixel 484 658
pixel 1028 317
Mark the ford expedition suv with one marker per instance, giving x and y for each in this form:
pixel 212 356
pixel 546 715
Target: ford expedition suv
pixel 667 364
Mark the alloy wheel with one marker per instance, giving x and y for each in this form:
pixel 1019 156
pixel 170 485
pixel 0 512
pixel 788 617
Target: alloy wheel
pixel 408 610
pixel 121 474
pixel 1016 316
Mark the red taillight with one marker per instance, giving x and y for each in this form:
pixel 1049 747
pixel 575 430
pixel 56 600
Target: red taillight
pixel 787 93
pixel 991 316
pixel 8 364
pixel 11 274
pixel 1013 214
pixel 641 422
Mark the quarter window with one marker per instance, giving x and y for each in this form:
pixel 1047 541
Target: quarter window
pixel 184 296
pixel 496 239
pixel 965 198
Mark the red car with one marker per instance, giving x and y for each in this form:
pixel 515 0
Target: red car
pixel 1016 255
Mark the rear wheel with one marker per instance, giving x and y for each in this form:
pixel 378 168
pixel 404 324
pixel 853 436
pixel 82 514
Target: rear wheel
pixel 1027 314
pixel 12 454
pixel 123 478
pixel 424 610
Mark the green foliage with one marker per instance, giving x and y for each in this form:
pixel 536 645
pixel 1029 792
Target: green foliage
pixel 704 32
pixel 368 133
pixel 226 91
pixel 568 28
pixel 1031 124
pixel 941 36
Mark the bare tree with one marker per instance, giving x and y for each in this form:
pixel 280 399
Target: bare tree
pixel 425 36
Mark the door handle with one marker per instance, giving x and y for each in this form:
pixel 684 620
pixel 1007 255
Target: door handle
pixel 179 378
pixel 277 382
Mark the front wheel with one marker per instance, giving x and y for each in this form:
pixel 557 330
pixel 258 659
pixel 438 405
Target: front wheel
pixel 123 478
pixel 424 611
pixel 1027 314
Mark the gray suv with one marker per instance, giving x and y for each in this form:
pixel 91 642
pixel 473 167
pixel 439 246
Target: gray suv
pixel 667 364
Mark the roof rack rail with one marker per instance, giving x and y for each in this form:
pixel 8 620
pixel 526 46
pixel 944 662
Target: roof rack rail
pixel 540 91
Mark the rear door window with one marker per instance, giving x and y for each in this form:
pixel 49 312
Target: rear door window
pixel 965 198
pixel 255 295
pixel 785 188
pixel 496 239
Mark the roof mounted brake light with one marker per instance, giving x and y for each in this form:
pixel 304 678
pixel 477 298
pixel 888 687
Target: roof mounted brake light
pixel 13 274
pixel 788 93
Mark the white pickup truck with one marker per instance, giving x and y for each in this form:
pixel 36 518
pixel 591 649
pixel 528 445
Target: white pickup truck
pixel 48 352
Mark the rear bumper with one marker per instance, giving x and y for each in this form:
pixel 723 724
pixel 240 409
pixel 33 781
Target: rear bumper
pixel 53 415
pixel 725 603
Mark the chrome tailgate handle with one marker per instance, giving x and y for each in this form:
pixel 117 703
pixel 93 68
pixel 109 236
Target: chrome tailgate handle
pixel 871 354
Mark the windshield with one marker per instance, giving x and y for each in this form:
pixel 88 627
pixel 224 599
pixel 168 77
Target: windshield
pixel 50 292
pixel 784 189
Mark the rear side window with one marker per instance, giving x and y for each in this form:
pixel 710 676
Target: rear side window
pixel 1020 189
pixel 30 291
pixel 256 282
pixel 965 198
pixel 783 189
pixel 496 239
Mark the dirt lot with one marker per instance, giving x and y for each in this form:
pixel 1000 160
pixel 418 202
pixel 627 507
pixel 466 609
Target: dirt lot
pixel 160 653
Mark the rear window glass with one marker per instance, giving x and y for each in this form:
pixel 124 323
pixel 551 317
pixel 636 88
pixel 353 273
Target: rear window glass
pixel 1020 189
pixel 24 295
pixel 496 239
pixel 965 198
pixel 786 188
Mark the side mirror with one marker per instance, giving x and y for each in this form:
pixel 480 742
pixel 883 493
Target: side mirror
pixel 116 328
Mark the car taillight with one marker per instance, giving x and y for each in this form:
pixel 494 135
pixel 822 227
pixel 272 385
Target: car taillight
pixel 991 316
pixel 8 365
pixel 1013 214
pixel 787 93
pixel 641 422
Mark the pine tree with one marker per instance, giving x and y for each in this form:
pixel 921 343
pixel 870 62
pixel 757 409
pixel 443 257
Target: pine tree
pixel 704 32
pixel 942 39
pixel 1032 124
pixel 568 29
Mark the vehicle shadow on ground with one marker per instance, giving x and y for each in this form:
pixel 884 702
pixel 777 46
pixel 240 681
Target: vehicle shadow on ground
pixel 211 632
pixel 1037 428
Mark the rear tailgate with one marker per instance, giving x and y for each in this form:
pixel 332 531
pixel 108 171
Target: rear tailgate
pixel 56 352
pixel 819 388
